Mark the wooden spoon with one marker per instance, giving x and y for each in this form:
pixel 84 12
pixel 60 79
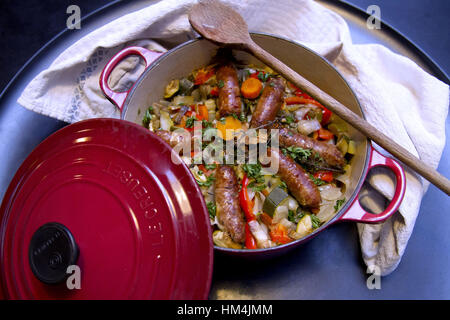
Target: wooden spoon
pixel 224 26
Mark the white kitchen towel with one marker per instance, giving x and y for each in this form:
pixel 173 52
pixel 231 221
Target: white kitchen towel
pixel 397 96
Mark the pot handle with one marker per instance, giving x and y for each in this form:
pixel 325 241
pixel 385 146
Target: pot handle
pixel 358 214
pixel 118 98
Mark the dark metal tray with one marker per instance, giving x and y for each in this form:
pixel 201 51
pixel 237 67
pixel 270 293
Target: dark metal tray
pixel 330 266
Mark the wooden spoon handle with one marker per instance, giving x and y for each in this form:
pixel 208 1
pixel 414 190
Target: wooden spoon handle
pixel 356 121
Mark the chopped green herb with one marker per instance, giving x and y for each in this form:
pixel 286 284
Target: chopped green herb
pixel 242 117
pixel 220 84
pixel 339 204
pixel 254 185
pixel 206 124
pixel 209 181
pixel 263 76
pixel 190 122
pixel 222 120
pixel 315 221
pixel 234 115
pixel 252 170
pixel 283 185
pixel 211 209
pixel 317 182
pixel 210 166
pixel 200 172
pixel 297 153
pixel 295 216
pixel 290 119
pixel 147 117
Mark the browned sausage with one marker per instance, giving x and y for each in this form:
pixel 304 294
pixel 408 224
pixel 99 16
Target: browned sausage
pixel 269 104
pixel 297 180
pixel 173 139
pixel 229 101
pixel 227 203
pixel 329 152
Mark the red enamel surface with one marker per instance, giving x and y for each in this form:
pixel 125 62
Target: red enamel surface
pixel 139 220
pixel 118 98
pixel 358 214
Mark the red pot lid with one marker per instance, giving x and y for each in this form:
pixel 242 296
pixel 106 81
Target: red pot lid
pixel 104 195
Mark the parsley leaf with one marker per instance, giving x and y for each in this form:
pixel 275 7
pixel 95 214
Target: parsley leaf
pixel 263 76
pixel 220 84
pixel 283 185
pixel 147 117
pixel 290 119
pixel 317 182
pixel 206 183
pixel 339 204
pixel 295 216
pixel 297 153
pixel 211 209
pixel 315 221
pixel 252 170
pixel 210 166
pixel 190 122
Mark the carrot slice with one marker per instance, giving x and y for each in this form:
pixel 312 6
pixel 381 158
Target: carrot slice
pixel 251 88
pixel 203 112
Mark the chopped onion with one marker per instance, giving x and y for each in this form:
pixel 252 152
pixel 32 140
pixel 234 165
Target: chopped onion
pixel 258 204
pixel 292 204
pixel 257 231
pixel 289 225
pixel 300 113
pixel 281 212
pixel 308 126
pixel 326 211
pixel 330 192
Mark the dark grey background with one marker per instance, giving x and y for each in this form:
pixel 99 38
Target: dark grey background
pixel 25 26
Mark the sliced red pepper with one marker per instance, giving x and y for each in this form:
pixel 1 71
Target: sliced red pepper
pixel 279 234
pixel 250 242
pixel 202 76
pixel 325 134
pixel 324 175
pixel 254 75
pixel 205 171
pixel 202 112
pixel 293 87
pixel 303 98
pixel 300 93
pixel 214 91
pixel 315 135
pixel 246 203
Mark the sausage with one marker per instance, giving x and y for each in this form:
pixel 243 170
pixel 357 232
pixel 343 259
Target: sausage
pixel 227 203
pixel 297 180
pixel 229 101
pixel 269 104
pixel 173 139
pixel 329 152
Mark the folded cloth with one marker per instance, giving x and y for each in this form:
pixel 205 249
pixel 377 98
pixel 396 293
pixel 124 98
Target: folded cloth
pixel 397 96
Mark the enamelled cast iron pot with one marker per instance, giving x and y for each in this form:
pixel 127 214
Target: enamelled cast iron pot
pixel 99 211
pixel 194 54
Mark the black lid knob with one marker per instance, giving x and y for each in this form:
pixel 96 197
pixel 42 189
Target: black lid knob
pixel 52 249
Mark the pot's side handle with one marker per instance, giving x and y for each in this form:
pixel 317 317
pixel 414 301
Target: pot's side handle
pixel 358 214
pixel 118 98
